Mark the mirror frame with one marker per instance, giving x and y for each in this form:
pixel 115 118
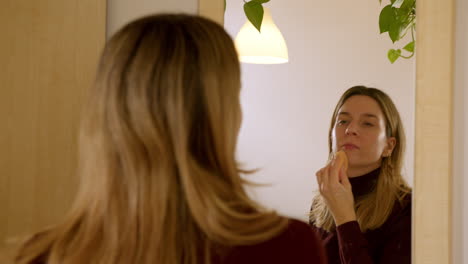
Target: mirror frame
pixel 432 197
pixel 433 168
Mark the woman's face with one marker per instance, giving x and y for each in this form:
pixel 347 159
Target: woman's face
pixel 359 130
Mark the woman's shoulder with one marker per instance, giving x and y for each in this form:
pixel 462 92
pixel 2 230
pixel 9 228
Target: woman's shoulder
pixel 296 233
pixel 298 230
pixel 298 243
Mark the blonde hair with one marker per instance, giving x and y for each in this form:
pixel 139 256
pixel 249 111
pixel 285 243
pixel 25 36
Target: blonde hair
pixel 159 179
pixel 373 209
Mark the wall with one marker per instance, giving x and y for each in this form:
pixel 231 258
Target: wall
pixel 460 157
pixel 119 12
pixel 48 51
pixel 333 45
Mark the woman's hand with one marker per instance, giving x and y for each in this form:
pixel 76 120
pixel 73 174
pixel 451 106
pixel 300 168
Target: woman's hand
pixel 335 188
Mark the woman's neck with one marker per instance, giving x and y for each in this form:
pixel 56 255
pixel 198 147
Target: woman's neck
pixel 356 171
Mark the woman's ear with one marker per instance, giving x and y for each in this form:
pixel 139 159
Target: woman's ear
pixel 391 143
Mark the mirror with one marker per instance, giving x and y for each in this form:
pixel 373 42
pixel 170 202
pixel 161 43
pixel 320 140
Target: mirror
pixel 432 197
pixel 333 45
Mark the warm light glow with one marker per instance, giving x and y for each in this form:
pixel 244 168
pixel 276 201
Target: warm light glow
pixel 267 47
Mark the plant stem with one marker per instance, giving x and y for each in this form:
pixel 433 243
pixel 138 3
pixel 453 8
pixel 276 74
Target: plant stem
pixel 407 57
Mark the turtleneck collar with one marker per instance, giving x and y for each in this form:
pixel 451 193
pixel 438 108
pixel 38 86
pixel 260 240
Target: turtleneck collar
pixel 364 184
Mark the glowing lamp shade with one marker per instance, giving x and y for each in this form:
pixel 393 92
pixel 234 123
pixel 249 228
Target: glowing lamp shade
pixel 265 47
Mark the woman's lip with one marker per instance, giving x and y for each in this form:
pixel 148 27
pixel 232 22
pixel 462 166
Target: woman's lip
pixel 350 146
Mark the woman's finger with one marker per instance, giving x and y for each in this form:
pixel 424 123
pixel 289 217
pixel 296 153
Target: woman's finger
pixel 344 178
pixel 325 180
pixel 318 175
pixel 334 172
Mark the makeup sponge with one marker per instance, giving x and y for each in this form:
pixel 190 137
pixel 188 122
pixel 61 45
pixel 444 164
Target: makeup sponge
pixel 341 159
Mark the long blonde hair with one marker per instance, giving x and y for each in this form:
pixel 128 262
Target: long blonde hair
pixel 159 179
pixel 373 209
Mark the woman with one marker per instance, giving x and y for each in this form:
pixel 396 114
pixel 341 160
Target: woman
pixel 363 215
pixel 160 183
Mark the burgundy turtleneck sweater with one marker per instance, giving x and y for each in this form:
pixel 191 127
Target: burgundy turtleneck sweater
pixel 389 244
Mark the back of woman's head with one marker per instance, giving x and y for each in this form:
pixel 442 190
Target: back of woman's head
pixel 168 84
pixel 160 183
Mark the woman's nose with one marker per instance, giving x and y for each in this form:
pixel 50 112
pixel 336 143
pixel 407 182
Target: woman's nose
pixel 351 129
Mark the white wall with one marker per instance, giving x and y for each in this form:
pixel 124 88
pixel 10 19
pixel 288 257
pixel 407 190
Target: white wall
pixel 120 12
pixel 460 198
pixel 333 45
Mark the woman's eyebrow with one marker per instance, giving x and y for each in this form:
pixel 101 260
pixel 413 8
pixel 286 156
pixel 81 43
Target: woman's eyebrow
pixel 344 113
pixel 365 114
pixel 370 115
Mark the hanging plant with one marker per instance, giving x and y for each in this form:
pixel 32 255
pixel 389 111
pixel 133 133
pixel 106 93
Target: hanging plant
pixel 398 18
pixel 253 11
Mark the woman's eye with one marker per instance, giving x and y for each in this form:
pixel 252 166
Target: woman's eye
pixel 342 122
pixel 368 124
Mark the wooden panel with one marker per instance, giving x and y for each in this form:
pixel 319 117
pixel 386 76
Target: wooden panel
pixel 433 151
pixel 49 50
pixel 213 9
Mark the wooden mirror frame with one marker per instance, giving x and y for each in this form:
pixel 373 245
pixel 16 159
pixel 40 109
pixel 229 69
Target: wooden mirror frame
pixel 432 198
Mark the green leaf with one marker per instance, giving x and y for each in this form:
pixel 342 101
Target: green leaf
pixel 386 18
pixel 395 31
pixel 409 5
pixel 409 47
pixel 403 15
pixel 393 55
pixel 260 1
pixel 400 27
pixel 397 3
pixel 254 12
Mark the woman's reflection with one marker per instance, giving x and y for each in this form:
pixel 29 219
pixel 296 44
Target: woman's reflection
pixel 363 214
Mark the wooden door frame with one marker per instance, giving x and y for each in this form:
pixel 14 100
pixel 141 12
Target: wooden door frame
pixel 432 198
